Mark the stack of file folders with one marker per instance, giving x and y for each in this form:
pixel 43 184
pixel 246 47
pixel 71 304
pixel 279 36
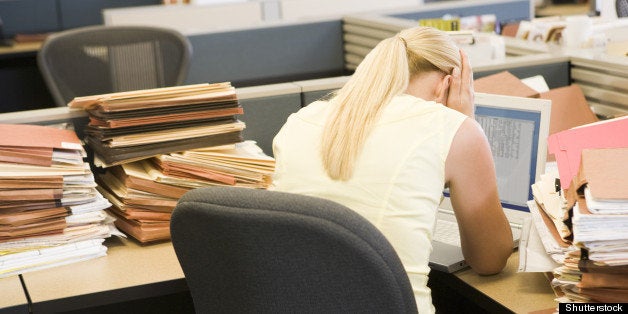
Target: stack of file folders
pixel 135 125
pixel 50 211
pixel 584 207
pixel 155 145
pixel 145 192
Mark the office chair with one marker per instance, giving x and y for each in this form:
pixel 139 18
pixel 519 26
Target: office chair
pixel 102 59
pixel 257 251
pixel 621 6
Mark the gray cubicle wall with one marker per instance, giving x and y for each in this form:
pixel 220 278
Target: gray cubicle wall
pixel 43 16
pixel 505 11
pixel 312 90
pixel 556 73
pixel 266 109
pixel 28 16
pixel 77 13
pixel 270 54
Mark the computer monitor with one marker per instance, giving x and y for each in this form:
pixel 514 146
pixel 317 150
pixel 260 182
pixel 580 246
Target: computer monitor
pixel 517 129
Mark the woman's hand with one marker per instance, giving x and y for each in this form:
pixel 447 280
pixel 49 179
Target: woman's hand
pixel 461 93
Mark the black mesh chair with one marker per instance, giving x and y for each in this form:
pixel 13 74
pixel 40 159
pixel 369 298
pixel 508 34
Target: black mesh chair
pixel 622 8
pixel 104 59
pixel 257 251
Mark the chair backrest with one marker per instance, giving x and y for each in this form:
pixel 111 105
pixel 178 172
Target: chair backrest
pixel 621 6
pixel 104 59
pixel 258 251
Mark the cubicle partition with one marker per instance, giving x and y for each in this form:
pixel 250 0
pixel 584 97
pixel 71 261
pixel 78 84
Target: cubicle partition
pixel 312 90
pixel 266 109
pixel 189 19
pixel 553 68
pixel 45 16
pixel 362 32
pixel 299 9
pixel 278 52
pixel 504 11
pixel 250 54
pixel 604 82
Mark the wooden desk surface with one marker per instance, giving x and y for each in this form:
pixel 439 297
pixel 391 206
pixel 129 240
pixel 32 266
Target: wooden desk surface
pixel 13 298
pixel 130 271
pixel 519 292
pixel 20 48
pixel 563 9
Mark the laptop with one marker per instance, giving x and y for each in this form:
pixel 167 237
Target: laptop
pixel 517 129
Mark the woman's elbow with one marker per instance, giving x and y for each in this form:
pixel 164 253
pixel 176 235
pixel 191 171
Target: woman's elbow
pixel 486 269
pixel 494 263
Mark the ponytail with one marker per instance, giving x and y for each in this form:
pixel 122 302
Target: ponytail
pixel 382 75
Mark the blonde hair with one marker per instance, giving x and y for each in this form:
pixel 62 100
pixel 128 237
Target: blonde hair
pixel 384 73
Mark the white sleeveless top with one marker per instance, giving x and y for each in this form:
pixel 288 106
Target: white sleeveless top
pixel 398 178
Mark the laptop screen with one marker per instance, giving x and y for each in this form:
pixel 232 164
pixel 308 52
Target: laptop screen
pixel 517 130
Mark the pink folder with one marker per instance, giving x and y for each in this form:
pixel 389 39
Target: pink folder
pixel 26 135
pixel 567 146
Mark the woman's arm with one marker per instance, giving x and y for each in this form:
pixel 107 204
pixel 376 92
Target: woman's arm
pixel 485 233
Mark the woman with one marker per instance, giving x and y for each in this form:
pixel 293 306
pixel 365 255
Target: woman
pixel 387 143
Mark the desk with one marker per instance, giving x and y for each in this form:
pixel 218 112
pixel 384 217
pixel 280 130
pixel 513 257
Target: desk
pixel 13 299
pixel 133 272
pixel 21 84
pixel 563 9
pixel 129 272
pixel 508 291
pixel 519 292
pixel 18 49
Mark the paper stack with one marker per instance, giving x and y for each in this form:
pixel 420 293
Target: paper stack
pixel 587 211
pixel 155 145
pixel 550 216
pixel 145 192
pixel 136 125
pixel 50 210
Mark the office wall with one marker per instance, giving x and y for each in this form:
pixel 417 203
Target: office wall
pixel 77 13
pixel 268 55
pixel 189 19
pixel 28 16
pixel 516 10
pixel 556 74
pixel 264 117
pixel 299 9
pixel 43 16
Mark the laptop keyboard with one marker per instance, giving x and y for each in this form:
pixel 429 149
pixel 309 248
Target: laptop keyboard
pixel 447 232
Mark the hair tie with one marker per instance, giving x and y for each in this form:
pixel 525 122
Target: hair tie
pixel 405 43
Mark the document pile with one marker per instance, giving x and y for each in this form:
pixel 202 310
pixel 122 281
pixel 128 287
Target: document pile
pixel 145 192
pixel 135 125
pixel 583 221
pixel 155 145
pixel 50 211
